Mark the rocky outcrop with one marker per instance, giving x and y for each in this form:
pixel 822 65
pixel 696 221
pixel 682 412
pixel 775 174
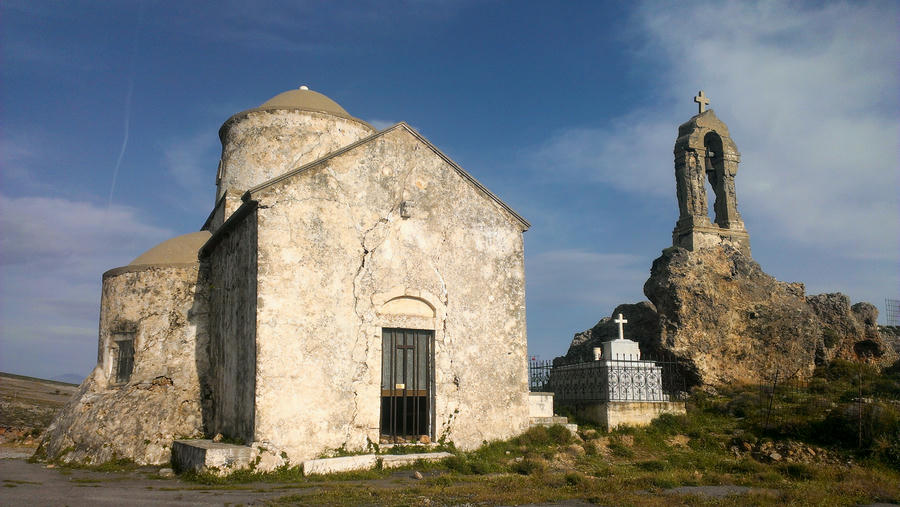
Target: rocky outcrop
pixel 841 321
pixel 642 327
pixel 733 322
pixel 719 310
pixel 722 317
pixel 891 334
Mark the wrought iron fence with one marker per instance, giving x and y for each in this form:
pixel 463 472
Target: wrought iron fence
pixel 892 311
pixel 617 379
pixel 539 375
pixel 784 402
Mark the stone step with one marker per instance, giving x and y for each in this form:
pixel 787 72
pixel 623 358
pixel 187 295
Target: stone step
pixel 197 455
pixel 551 421
pixel 200 455
pixel 366 461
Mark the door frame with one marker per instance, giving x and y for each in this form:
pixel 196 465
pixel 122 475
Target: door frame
pixel 404 400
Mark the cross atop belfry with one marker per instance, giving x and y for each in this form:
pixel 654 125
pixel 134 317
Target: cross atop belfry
pixel 701 101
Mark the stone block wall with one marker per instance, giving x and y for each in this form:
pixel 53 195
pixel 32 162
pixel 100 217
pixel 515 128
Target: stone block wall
pixel 231 258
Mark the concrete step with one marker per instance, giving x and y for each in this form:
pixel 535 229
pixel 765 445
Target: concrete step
pixel 197 455
pixel 551 421
pixel 366 461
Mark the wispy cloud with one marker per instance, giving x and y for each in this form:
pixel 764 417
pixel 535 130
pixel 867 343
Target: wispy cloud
pixel 53 252
pixel 191 160
pixel 620 155
pixel 381 124
pixel 287 26
pixel 584 277
pixel 809 94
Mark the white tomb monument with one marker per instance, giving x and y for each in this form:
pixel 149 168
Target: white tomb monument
pixel 617 388
pixel 621 349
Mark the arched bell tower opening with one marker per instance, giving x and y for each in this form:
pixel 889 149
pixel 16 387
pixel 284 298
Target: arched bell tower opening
pixel 712 155
pixel 705 153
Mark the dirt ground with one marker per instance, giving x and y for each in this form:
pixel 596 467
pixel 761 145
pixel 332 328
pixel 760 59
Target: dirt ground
pixel 29 403
pixel 26 483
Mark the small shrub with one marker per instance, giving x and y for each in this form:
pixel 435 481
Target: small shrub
pixel 818 385
pixel 528 467
pixel 457 464
pixel 575 479
pixel 664 482
pixel 559 435
pixel 653 465
pixel 704 442
pixel 542 436
pixel 797 471
pixel 744 466
pixel 886 448
pixel 618 448
pixel 471 465
pixel 669 424
pixel 601 470
pixel 830 337
pixel 440 480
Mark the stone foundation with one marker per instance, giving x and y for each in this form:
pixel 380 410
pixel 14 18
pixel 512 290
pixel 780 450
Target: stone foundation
pixel 611 415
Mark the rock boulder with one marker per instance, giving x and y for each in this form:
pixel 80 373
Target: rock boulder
pixel 725 320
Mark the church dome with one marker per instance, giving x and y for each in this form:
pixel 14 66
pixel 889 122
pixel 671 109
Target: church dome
pixel 178 250
pixel 300 99
pixel 306 99
pixel 289 130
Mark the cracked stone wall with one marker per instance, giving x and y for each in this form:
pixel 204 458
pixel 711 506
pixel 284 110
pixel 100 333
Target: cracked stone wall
pixel 232 325
pixel 337 262
pixel 165 308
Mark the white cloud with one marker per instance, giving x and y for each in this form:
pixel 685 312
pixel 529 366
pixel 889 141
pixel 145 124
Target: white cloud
pixel 19 150
pixel 43 231
pixel 621 155
pixel 188 159
pixel 191 161
pixel 810 97
pixel 53 252
pixel 585 278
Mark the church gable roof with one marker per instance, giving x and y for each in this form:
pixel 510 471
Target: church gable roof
pixel 406 128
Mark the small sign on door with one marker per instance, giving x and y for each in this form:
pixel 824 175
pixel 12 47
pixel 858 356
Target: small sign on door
pixel 399 386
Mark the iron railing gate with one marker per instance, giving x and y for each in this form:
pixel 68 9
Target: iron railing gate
pixel 407 374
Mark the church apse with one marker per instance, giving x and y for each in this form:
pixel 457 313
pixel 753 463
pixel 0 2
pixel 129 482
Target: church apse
pixel 704 151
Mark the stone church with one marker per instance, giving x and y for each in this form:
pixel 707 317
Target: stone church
pixel 349 287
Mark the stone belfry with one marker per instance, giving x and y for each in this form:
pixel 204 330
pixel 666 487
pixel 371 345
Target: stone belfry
pixel 704 151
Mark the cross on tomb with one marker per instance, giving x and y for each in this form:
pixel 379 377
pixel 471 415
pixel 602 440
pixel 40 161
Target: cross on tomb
pixel 701 101
pixel 621 322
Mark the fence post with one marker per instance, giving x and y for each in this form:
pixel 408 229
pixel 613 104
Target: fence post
pixel 771 399
pixel 859 404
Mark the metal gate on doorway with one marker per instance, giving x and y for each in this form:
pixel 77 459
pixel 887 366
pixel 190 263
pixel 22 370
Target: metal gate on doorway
pixel 407 377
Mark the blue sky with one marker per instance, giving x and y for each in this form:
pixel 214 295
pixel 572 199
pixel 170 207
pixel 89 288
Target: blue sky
pixel 566 110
